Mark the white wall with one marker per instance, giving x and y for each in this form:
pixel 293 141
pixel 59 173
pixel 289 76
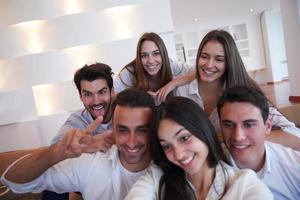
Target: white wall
pixel 274 46
pixel 42 44
pixel 291 28
pixel 222 13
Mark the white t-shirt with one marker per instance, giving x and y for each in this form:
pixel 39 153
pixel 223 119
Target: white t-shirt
pixel 97 176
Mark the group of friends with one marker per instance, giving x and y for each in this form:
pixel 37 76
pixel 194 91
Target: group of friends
pixel 164 130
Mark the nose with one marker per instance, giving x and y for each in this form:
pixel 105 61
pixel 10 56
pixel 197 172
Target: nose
pixel 177 152
pixel 96 99
pixel 131 142
pixel 210 63
pixel 150 58
pixel 239 134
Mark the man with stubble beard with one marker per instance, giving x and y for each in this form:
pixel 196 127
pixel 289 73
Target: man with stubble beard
pixel 95 84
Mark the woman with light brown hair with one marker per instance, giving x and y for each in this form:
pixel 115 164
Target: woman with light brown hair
pixel 152 70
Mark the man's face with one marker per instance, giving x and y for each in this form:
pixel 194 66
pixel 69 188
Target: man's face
pixel 244 132
pixel 96 97
pixel 131 129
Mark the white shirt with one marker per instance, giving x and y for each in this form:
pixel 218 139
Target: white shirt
pixel 126 79
pixel 97 176
pixel 281 171
pixel 191 91
pixel 242 184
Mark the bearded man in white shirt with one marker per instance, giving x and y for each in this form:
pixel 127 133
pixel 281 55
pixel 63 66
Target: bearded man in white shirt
pixel 76 164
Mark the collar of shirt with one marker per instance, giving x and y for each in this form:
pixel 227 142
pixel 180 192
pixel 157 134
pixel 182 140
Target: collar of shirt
pixel 265 169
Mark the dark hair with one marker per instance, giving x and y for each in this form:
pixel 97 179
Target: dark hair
pixel 139 73
pixel 235 72
pixel 93 72
pixel 187 113
pixel 246 95
pixel 132 97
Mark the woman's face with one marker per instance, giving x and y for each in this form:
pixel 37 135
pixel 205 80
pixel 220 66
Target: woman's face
pixel 151 57
pixel 211 64
pixel 182 148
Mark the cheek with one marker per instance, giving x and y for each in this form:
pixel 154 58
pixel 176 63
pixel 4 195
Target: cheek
pixel 169 156
pixel 144 61
pixel 222 68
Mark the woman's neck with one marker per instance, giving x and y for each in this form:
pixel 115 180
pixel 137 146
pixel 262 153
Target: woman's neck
pixel 202 181
pixel 213 88
pixel 210 92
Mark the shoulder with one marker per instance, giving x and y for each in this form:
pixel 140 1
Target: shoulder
pixel 147 185
pixel 245 184
pixel 124 79
pixel 284 155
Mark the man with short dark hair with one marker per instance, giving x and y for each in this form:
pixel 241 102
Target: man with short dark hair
pixel 245 122
pixel 95 87
pixel 66 166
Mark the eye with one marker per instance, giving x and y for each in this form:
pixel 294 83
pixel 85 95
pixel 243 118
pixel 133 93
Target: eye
pixel 142 130
pixel 184 138
pixel 143 56
pixel 248 125
pixel 122 130
pixel 227 124
pixel 203 56
pixel 103 91
pixel 165 146
pixel 157 53
pixel 220 59
pixel 86 94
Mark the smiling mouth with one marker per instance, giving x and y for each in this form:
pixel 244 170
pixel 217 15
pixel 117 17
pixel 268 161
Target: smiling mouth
pixel 208 71
pixel 187 161
pixel 97 107
pixel 239 146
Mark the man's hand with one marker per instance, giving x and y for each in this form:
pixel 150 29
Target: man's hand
pixel 78 141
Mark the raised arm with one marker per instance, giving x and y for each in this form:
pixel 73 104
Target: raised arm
pixel 163 92
pixel 73 144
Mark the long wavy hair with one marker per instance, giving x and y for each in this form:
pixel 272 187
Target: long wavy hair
pixel 136 67
pixel 235 72
pixel 173 184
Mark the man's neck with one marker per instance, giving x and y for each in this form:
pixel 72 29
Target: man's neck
pixel 136 167
pixel 255 163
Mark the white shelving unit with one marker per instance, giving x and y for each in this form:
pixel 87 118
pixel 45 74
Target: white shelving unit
pixel 187 43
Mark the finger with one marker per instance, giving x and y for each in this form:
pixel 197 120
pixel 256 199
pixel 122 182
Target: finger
pixel 76 139
pixel 93 126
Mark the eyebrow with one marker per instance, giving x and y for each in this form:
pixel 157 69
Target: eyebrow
pixel 176 133
pixel 145 52
pixel 87 91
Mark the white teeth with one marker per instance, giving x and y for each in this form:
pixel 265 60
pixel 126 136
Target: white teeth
pixel 240 146
pixel 151 66
pixel 97 107
pixel 186 161
pixel 208 72
pixel 132 150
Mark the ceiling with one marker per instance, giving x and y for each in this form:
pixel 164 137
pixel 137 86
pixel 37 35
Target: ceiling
pixel 184 12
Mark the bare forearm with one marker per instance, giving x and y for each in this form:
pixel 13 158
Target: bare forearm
pixel 184 79
pixel 33 165
pixel 285 139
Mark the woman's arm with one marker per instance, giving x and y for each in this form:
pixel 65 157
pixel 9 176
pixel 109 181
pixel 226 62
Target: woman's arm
pixel 163 92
